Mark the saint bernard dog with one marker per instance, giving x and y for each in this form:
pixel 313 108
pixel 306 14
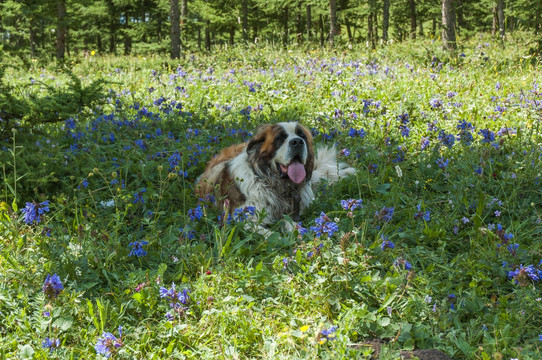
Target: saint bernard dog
pixel 272 172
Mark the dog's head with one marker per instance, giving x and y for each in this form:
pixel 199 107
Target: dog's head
pixel 282 151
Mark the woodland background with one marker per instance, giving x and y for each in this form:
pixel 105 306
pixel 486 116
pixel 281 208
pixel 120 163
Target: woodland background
pixel 62 28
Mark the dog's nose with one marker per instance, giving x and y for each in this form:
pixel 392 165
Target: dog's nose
pixel 296 143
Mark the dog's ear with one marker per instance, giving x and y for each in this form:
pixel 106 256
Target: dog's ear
pixel 256 142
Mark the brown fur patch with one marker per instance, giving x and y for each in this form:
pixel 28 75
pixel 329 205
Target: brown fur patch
pixel 209 179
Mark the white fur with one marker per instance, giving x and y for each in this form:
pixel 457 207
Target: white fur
pixel 263 198
pixel 283 156
pixel 326 166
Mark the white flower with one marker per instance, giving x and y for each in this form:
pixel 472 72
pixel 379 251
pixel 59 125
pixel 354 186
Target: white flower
pixel 399 171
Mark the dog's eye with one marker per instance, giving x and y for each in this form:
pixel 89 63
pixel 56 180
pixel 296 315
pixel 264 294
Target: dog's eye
pixel 301 134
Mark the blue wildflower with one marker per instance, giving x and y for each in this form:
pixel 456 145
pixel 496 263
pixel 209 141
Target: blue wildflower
pixel 446 139
pixel 356 132
pixel 141 144
pixel 186 233
pixel 328 334
pixel 174 159
pixel 424 143
pixel 139 196
pixel 386 243
pixel 108 344
pixel 425 215
pixel 84 183
pixel 442 163
pixel 405 130
pixel 324 225
pixel 435 103
pixel 196 213
pixel 404 118
pixel 488 136
pixel 176 298
pixel 385 214
pixel 52 286
pixel 137 248
pixel 402 264
pixel 351 204
pixel 51 344
pixel 523 274
pixel 301 229
pixel 33 211
pixel 242 214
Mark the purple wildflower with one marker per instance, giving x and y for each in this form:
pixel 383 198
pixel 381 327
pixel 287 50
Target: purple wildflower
pixel 33 211
pixel 351 204
pixel 108 344
pixel 137 248
pixel 51 344
pixel 324 225
pixel 385 214
pixel 52 286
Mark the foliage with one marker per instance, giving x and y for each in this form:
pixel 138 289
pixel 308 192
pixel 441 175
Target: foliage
pixel 125 261
pixel 50 103
pixel 28 28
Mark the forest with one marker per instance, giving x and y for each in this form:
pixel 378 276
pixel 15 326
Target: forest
pixel 64 28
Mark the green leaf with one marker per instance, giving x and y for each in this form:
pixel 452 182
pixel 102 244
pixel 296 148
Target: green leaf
pixel 384 321
pixel 64 322
pixel 138 297
pixel 162 269
pixel 26 351
pixel 383 188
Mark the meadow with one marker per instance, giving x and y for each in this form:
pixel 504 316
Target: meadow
pixel 107 252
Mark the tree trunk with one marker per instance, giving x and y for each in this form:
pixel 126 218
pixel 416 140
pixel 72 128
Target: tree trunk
pixel 61 29
pixel 199 37
pixel 460 16
pixel 175 31
pixel 127 37
pixel 495 21
pixel 33 38
pixel 207 36
pixel 511 22
pixel 300 26
pixel 113 17
pixel 348 29
pixel 285 26
pixel 370 28
pixel 127 45
pixel 244 21
pixel 500 17
pixel 412 8
pixel 309 23
pixel 184 11
pixel 333 30
pixel 448 23
pixel 232 35
pixel 385 20
pixel 375 26
pixel 322 30
pixel 434 27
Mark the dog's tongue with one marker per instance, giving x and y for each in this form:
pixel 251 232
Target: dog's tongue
pixel 296 172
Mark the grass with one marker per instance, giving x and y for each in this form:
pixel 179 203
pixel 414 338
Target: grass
pixel 452 144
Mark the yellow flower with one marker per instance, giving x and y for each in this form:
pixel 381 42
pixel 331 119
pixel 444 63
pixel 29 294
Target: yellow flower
pixel 92 53
pixel 304 328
